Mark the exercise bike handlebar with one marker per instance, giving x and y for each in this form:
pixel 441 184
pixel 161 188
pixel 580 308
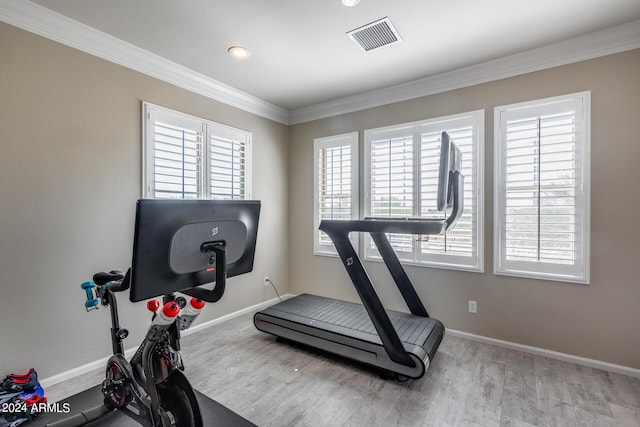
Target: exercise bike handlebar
pixel 116 280
pixel 215 294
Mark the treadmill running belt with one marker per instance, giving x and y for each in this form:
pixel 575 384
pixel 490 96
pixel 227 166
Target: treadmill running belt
pixel 345 328
pixel 316 309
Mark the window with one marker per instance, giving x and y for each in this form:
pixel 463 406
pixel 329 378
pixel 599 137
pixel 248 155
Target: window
pixel 335 185
pixel 187 157
pixel 401 181
pixel 542 182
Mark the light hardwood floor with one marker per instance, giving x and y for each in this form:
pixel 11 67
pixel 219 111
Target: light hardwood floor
pixel 468 384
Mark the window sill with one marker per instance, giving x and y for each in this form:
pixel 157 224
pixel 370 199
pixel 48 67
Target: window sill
pixel 542 276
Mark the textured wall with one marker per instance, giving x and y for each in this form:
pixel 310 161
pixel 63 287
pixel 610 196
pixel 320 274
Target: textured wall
pixel 70 174
pixel 599 320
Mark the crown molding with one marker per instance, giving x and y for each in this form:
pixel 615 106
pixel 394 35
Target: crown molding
pixel 601 43
pixel 44 22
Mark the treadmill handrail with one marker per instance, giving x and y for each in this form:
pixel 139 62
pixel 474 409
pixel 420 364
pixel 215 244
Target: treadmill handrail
pixel 386 225
pixel 370 300
pixel 377 227
pixel 450 195
pixel 399 276
pixel 410 225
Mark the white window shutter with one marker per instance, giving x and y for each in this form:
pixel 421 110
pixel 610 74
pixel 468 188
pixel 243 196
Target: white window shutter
pixel 177 160
pixel 335 185
pixel 392 178
pixel 401 181
pixel 228 168
pixel 542 182
pixel 186 157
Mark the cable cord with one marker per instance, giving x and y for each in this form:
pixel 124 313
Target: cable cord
pixel 274 288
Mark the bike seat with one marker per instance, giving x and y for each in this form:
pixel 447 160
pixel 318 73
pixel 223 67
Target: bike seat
pixel 103 278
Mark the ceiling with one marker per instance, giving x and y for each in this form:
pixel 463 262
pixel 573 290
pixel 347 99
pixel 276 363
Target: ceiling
pixel 301 56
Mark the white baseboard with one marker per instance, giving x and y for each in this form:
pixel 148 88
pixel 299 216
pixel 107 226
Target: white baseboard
pixel 101 363
pixel 81 370
pixel 597 364
pixel 591 363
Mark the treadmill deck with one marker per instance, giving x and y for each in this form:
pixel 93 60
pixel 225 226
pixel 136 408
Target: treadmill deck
pixel 349 325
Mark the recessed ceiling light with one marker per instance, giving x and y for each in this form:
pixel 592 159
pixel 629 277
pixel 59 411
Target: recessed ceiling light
pixel 350 3
pixel 240 52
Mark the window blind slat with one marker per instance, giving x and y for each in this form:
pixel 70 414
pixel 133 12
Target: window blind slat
pixel 187 154
pixel 334 182
pixel 402 181
pixel 227 160
pixel 540 196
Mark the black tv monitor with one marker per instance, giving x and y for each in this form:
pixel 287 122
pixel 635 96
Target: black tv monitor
pixel 450 162
pixel 177 244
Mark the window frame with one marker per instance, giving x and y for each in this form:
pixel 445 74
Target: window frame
pixel 346 139
pixel 578 272
pixel 209 129
pixel 474 119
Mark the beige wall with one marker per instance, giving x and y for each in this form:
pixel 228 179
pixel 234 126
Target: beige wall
pixel 70 174
pixel 600 320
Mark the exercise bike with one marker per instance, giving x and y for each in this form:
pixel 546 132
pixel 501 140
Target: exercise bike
pixel 179 246
pixel 150 388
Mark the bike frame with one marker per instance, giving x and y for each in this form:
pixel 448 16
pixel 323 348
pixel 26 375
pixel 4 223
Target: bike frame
pixel 141 369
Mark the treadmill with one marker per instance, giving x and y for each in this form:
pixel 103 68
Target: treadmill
pixel 396 342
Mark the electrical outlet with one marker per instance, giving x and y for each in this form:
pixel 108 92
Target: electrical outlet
pixel 473 306
pixel 266 280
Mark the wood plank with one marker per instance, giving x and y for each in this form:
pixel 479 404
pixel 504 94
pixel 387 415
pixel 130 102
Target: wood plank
pixel 469 383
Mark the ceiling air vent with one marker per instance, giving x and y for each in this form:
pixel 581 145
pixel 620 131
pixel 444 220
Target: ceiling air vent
pixel 374 35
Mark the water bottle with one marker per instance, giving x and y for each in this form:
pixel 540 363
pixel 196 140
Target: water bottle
pixel 190 312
